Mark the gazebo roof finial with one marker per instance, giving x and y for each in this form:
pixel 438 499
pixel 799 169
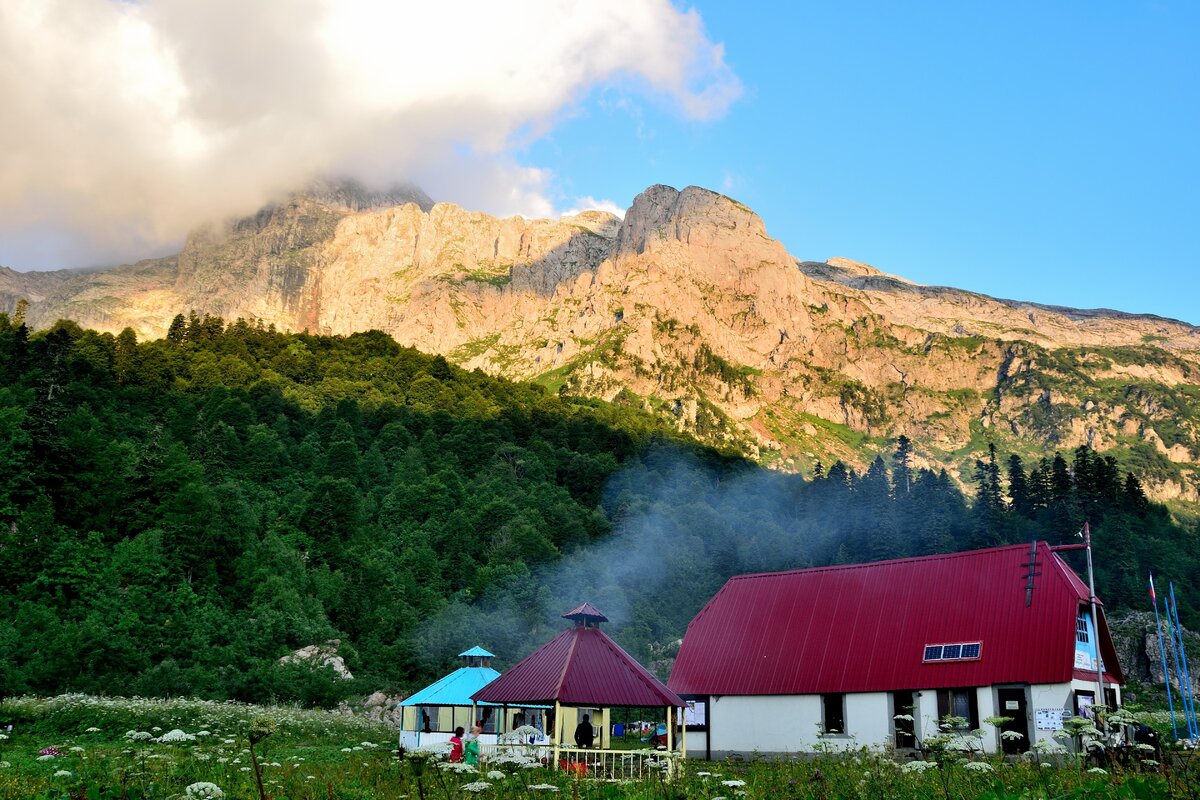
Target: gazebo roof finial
pixel 586 614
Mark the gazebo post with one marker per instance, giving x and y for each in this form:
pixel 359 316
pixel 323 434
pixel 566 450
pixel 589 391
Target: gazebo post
pixel 683 736
pixel 670 728
pixel 557 730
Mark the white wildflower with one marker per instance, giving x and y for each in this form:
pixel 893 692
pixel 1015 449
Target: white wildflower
pixel 203 789
pixel 76 749
pixel 979 766
pixel 918 766
pixel 1143 746
pixel 733 784
pixel 63 773
pixel 243 769
pixel 346 750
pixel 543 787
pixel 92 730
pixel 3 737
pixel 1098 771
pixel 1149 762
pixel 46 757
pixel 703 774
pixel 461 767
pixel 138 736
pixel 4 765
pixel 1012 736
pixel 477 786
pixel 229 741
pixel 368 745
pixel 156 729
pixel 204 733
pixel 495 775
pixel 903 717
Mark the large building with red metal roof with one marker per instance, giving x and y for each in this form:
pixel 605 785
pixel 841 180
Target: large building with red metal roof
pixel 876 654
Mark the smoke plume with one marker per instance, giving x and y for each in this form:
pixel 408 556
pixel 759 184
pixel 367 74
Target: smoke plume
pixel 129 122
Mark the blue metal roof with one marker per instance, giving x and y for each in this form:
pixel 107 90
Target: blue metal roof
pixel 477 651
pixel 454 689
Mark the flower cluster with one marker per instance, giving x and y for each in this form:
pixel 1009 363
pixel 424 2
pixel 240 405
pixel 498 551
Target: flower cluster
pixel 477 786
pixel 203 790
pixel 918 766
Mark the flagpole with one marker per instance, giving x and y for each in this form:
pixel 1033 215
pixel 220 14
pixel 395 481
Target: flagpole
pixel 1087 540
pixel 1185 678
pixel 1162 651
pixel 1175 657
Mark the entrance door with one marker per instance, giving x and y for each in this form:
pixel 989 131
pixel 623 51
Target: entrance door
pixel 903 704
pixel 1012 704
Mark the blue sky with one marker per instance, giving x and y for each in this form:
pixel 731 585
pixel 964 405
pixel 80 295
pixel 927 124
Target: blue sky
pixel 1038 151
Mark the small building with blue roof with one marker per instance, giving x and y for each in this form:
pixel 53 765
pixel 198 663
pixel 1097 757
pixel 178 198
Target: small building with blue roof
pixel 429 716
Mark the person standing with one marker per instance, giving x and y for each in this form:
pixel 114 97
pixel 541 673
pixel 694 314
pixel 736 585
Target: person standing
pixel 456 745
pixel 471 745
pixel 585 737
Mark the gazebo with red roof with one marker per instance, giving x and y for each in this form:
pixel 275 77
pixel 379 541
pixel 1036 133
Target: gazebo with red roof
pixel 581 668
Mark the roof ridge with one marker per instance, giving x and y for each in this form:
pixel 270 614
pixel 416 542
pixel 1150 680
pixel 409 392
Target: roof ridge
pixel 633 665
pixel 886 562
pixel 562 676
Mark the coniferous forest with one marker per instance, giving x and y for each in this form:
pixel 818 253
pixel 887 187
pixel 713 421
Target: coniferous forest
pixel 177 515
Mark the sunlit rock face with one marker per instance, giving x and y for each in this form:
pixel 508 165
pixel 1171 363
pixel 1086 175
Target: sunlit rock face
pixel 688 307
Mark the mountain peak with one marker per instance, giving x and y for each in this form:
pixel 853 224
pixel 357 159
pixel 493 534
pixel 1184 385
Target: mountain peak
pixel 351 195
pixel 665 213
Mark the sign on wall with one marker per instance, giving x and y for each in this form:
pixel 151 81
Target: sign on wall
pixel 1049 719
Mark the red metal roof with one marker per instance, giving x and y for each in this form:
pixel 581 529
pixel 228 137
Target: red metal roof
pixel 864 627
pixel 579 667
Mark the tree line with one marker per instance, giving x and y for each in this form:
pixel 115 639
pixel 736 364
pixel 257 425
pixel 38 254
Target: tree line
pixel 178 514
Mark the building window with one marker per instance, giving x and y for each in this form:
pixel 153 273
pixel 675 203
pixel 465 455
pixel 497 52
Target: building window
pixel 833 717
pixel 1082 627
pixel 961 703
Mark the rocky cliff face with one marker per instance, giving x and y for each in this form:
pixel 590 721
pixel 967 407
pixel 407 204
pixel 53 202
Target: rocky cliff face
pixel 688 307
pixel 1141 660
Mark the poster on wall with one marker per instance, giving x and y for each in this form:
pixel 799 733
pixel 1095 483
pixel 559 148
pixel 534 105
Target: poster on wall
pixel 1049 719
pixel 694 714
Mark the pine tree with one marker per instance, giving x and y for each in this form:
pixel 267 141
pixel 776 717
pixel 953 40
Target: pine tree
pixel 1018 487
pixel 902 461
pixel 177 332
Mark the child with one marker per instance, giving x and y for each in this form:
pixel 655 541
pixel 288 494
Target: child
pixel 456 745
pixel 471 745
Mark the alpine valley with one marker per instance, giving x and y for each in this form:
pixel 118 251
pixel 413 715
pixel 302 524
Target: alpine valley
pixel 689 309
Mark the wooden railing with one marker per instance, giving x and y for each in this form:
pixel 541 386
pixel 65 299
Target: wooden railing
pixel 605 765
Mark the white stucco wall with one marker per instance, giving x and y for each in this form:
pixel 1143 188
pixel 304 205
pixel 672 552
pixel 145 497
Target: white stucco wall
pixel 869 719
pixel 789 724
pixel 1048 696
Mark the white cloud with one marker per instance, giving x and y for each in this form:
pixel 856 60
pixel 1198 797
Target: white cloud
pixel 588 203
pixel 127 123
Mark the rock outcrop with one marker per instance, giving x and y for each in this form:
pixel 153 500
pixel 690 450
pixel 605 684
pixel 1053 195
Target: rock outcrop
pixel 1141 658
pixel 321 655
pixel 690 308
